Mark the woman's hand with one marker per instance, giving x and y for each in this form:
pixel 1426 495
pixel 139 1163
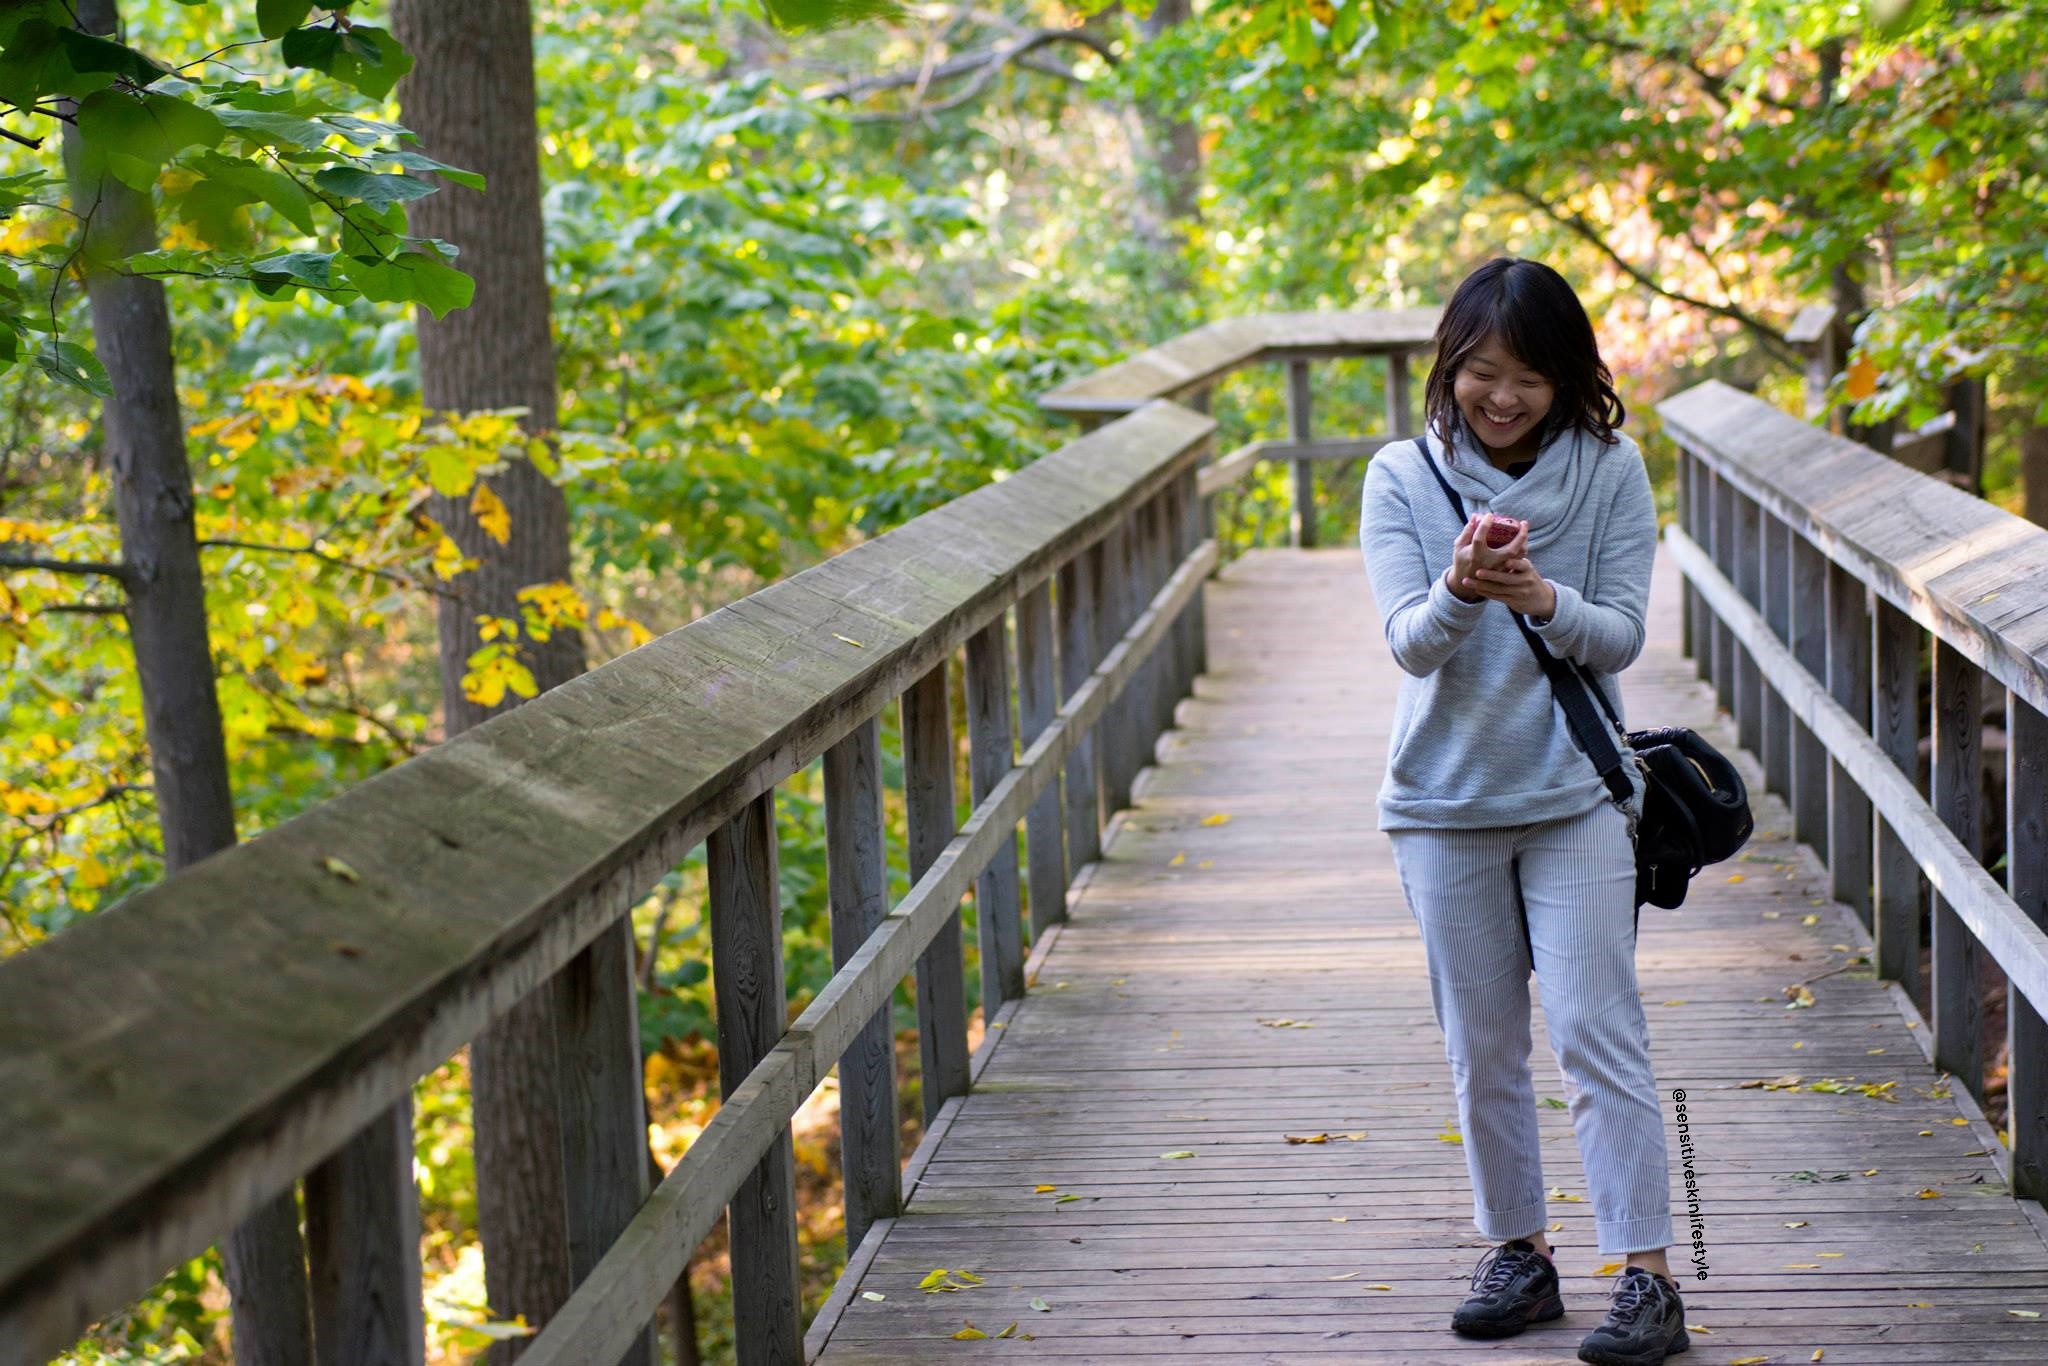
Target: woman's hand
pixel 1513 580
pixel 1458 578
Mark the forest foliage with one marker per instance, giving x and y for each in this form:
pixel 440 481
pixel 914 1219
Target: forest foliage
pixel 806 286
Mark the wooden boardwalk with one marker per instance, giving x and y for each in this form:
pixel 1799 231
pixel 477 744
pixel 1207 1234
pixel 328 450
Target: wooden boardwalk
pixel 1226 984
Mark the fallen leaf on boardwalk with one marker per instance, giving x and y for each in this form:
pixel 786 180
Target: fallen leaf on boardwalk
pixel 1043 1190
pixel 1830 1254
pixel 1697 1328
pixel 1960 1122
pixel 970 1333
pixel 1379 1287
pixel 1928 1193
pixel 1009 1332
pixel 1978 1152
pixel 1797 1223
pixel 1349 1275
pixel 1554 1103
pixel 967 1276
pixel 1178 859
pixel 340 869
pixel 1747 1361
pixel 1801 997
pixel 1557 1193
pixel 1818 1353
pixel 1450 1135
pixel 1038 1303
pixel 1306 1138
pixel 875 1295
pixel 1810 919
pixel 1340 1218
pixel 1175 1156
pixel 1064 1198
pixel 1220 818
pixel 1557 1227
pixel 1610 1268
pixel 1800 1044
pixel 1735 877
pixel 1772 915
pixel 1872 1052
pixel 934 1280
pixel 1802 1266
pixel 1927 1133
pixel 1920 1304
pixel 1284 1023
pixel 2024 1313
pixel 1788 1082
pixel 1353 1138
pixel 1206 863
pixel 849 640
pixel 1674 1003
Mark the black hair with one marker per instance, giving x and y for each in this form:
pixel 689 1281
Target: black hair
pixel 1541 322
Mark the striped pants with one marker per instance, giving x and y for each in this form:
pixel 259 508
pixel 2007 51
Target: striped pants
pixel 1557 896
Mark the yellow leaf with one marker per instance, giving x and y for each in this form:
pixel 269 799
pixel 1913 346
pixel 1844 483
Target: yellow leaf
pixel 1306 1138
pixel 1220 818
pixel 1802 1266
pixel 1009 1332
pixel 491 513
pixel 1747 1361
pixel 1735 877
pixel 1379 1287
pixel 1920 1304
pixel 1349 1275
pixel 1927 1133
pixel 1818 1353
pixel 1610 1268
pixel 1175 1156
pixel 1674 1003
pixel 1870 1171
pixel 933 1280
pixel 339 869
pixel 1065 1198
pixel 967 1276
pixel 1043 1190
pixel 92 874
pixel 1960 1122
pixel 1698 1328
pixel 2024 1313
pixel 1797 1223
pixel 1206 863
pixel 1178 859
pixel 858 646
pixel 1861 381
pixel 1928 1193
pixel 1809 920
pixel 970 1332
pixel 1451 1136
pixel 1557 1227
pixel 1831 1254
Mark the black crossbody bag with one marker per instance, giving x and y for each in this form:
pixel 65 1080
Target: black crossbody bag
pixel 1695 805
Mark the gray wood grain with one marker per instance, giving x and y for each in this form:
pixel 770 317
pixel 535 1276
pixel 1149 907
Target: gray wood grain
pixel 991 756
pixel 1301 516
pixel 1901 891
pixel 858 893
pixel 1777 569
pixel 1079 652
pixel 1701 528
pixel 363 1246
pixel 1748 576
pixel 1849 681
pixel 2026 878
pixel 1810 647
pixel 1116 572
pixel 745 911
pixel 1956 792
pixel 1037 701
pixel 927 729
pixel 1721 526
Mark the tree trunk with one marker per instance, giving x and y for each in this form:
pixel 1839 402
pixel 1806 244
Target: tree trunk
pixel 144 441
pixel 1175 146
pixel 470 98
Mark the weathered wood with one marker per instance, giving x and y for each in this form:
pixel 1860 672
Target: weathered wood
pixel 1848 651
pixel 1037 701
pixel 1963 442
pixel 363 1245
pixel 1748 577
pixel 1721 525
pixel 1400 405
pixel 1683 514
pixel 927 729
pixel 1810 647
pixel 745 911
pixel 1900 893
pixel 1301 516
pixel 991 755
pixel 1079 654
pixel 604 1105
pixel 1956 988
pixel 858 893
pixel 1701 528
pixel 1777 571
pixel 2026 879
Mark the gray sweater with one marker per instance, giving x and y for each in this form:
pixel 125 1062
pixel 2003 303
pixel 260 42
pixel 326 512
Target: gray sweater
pixel 1478 736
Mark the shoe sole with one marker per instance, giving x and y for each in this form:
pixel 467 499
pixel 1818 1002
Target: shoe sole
pixel 1544 1312
pixel 1681 1342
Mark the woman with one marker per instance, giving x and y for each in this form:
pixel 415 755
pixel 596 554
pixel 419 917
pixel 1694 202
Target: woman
pixel 1511 852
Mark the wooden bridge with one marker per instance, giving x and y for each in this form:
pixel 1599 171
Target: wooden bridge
pixel 1209 1118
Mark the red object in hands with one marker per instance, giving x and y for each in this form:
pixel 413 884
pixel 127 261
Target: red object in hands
pixel 1501 532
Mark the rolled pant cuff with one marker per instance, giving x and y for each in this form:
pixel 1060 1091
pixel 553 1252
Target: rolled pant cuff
pixel 1501 1225
pixel 1634 1235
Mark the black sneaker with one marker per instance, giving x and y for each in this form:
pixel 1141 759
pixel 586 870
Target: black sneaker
pixel 1645 1323
pixel 1513 1286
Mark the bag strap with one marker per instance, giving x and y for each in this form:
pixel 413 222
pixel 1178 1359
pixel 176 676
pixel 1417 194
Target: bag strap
pixel 1567 679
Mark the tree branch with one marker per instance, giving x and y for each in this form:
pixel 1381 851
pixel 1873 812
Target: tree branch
pixel 985 62
pixel 1771 337
pixel 119 572
pixel 86 609
pixel 338 561
pixel 1714 84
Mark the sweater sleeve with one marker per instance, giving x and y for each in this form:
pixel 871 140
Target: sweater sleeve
pixel 1424 622
pixel 1605 632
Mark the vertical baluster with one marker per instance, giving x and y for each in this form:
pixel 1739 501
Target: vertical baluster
pixel 1155 696
pixel 1722 547
pixel 603 1104
pixel 1400 409
pixel 264 1264
pixel 1202 513
pixel 1810 648
pixel 1688 642
pixel 991 756
pixel 1701 529
pixel 363 1246
pixel 1895 722
pixel 746 973
pixel 1037 701
pixel 1849 810
pixel 1076 581
pixel 1957 783
pixel 857 888
pixel 928 814
pixel 1748 576
pixel 1301 524
pixel 1118 734
pixel 1777 571
pixel 2026 878
pixel 1173 549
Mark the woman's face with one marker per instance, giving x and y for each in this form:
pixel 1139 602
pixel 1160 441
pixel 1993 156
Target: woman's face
pixel 1502 399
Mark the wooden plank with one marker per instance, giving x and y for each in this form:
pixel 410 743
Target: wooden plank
pixel 1956 988
pixel 1748 577
pixel 991 756
pixel 1078 655
pixel 1900 891
pixel 1810 647
pixel 363 1244
pixel 1849 815
pixel 2026 878
pixel 1037 701
pixel 1301 515
pixel 603 1105
pixel 1722 547
pixel 1701 528
pixel 857 891
pixel 263 1261
pixel 927 729
pixel 1400 404
pixel 1777 573
pixel 746 963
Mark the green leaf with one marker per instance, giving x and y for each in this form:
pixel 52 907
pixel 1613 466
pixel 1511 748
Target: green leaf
pixel 270 128
pixel 371 60
pixel 375 190
pixel 412 277
pixel 88 54
pixel 313 48
pixel 274 188
pixel 279 17
pixel 416 161
pixel 137 136
pixel 75 366
pixel 800 15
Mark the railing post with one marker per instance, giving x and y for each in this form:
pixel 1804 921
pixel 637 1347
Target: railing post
pixel 603 1104
pixel 1810 648
pixel 990 756
pixel 857 888
pixel 2026 879
pixel 1120 737
pixel 363 1245
pixel 1700 527
pixel 264 1264
pixel 1037 702
pixel 1083 781
pixel 1202 511
pixel 1300 424
pixel 1777 570
pixel 1849 810
pixel 746 972
pixel 1400 410
pixel 1957 784
pixel 1688 641
pixel 1749 679
pixel 1722 548
pixel 929 817
pixel 1895 723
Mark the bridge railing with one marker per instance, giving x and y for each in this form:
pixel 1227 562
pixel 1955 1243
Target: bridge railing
pixel 171 1066
pixel 1822 579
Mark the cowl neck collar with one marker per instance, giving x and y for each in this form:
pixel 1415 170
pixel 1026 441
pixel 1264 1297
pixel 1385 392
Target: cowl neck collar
pixel 1547 497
